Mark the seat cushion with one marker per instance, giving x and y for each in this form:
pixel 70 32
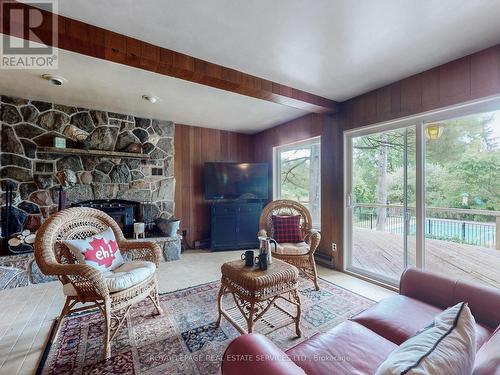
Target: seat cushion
pixel 292 248
pixel 129 274
pixel 122 277
pixel 349 348
pixel 397 318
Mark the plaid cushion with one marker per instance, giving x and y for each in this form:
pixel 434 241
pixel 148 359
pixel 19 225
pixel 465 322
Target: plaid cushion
pixel 287 229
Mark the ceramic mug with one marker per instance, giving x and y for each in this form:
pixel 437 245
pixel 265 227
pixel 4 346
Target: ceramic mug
pixel 248 257
pixel 261 260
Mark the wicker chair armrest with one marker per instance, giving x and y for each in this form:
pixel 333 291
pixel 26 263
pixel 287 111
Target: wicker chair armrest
pixel 142 250
pixel 262 233
pixel 313 238
pixel 84 278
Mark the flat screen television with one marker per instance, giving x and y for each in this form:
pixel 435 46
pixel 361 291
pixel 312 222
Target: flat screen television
pixel 229 181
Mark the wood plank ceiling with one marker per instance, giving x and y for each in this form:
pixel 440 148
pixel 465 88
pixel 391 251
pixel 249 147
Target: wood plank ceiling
pixel 90 40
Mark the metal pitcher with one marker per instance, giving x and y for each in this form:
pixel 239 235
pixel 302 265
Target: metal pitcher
pixel 265 247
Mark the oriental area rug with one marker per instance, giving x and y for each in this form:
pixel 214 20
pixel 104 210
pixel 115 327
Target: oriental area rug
pixel 184 340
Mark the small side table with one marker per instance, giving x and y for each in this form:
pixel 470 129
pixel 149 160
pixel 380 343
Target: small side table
pixel 256 293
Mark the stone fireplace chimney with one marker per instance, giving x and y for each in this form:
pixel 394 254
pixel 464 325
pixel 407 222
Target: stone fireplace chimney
pixel 118 156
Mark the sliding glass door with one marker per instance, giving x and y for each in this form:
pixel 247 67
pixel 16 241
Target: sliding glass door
pixel 425 194
pixel 462 197
pixel 381 197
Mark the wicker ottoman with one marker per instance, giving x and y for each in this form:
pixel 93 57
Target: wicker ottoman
pixel 257 292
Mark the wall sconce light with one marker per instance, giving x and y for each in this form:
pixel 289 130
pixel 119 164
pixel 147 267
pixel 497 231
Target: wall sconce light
pixel 434 131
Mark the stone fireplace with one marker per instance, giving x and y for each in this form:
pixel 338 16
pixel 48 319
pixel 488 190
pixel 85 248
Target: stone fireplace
pixel 108 156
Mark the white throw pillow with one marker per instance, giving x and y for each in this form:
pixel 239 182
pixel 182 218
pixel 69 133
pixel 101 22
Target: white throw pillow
pixel 447 346
pixel 100 251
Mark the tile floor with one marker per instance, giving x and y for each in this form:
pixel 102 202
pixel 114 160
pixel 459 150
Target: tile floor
pixel 26 314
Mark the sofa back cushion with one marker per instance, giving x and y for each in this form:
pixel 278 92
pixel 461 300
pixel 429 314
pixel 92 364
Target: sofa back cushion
pixel 483 301
pixel 447 346
pixel 441 291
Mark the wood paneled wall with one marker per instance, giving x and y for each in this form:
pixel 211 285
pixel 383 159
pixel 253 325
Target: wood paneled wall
pixel 296 130
pixel 193 147
pixel 468 78
pixel 305 127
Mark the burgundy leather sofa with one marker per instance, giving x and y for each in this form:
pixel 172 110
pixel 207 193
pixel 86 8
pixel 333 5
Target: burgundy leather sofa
pixel 361 344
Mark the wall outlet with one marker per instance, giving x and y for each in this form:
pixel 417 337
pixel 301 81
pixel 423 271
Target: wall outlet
pixel 202 244
pixel 334 247
pixel 157 171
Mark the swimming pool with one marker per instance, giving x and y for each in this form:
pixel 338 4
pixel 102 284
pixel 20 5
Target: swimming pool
pixel 469 232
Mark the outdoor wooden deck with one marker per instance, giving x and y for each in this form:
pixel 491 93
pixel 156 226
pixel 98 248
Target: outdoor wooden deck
pixel 382 252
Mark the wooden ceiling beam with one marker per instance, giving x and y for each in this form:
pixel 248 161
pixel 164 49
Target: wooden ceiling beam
pixel 90 40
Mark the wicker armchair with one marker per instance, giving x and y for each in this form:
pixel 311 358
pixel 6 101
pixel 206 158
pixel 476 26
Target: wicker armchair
pixel 89 284
pixel 300 255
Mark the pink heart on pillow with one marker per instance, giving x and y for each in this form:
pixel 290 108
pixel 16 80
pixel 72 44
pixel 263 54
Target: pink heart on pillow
pixel 101 252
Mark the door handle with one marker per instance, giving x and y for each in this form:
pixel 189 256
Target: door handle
pixel 348 200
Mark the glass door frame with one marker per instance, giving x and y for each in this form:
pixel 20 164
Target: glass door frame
pixel 482 105
pixel 349 204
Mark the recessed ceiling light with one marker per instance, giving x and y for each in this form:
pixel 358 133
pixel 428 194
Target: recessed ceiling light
pixel 53 79
pixel 151 98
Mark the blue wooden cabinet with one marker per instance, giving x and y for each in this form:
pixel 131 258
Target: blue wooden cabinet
pixel 234 225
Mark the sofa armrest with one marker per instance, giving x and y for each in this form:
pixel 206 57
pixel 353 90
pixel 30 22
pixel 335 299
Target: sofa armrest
pixel 255 354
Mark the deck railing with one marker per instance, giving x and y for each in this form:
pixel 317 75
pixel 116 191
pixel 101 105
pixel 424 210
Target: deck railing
pixel 474 227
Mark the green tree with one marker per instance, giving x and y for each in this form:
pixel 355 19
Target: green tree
pixel 479 177
pixel 463 161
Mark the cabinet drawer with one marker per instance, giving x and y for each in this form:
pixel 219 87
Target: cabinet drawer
pixel 225 209
pixel 248 208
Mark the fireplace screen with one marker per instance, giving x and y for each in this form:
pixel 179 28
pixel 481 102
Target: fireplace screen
pixel 124 212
